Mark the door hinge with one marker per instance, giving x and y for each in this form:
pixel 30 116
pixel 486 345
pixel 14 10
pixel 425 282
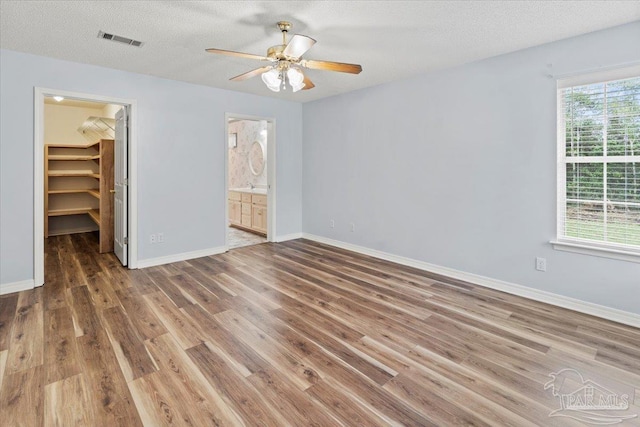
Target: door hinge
pixel 126 181
pixel 126 240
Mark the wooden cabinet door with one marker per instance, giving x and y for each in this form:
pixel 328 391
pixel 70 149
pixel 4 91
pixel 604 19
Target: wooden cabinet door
pixel 246 210
pixel 235 212
pixel 259 218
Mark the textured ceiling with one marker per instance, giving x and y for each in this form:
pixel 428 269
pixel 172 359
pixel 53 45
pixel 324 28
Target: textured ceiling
pixel 390 39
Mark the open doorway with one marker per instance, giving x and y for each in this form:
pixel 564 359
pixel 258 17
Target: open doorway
pixel 82 167
pixel 250 181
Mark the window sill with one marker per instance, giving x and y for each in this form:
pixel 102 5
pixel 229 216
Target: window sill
pixel 599 251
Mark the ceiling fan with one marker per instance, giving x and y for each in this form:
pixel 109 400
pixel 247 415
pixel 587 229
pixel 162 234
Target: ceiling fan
pixel 287 63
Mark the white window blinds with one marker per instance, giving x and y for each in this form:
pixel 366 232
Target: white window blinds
pixel 599 164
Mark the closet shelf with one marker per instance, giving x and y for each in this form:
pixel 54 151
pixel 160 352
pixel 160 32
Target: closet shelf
pixel 94 214
pixel 88 145
pixel 92 192
pixel 74 157
pixel 72 211
pixel 81 173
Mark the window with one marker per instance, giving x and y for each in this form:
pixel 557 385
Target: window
pixel 599 163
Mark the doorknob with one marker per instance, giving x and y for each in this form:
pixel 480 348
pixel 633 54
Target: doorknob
pixel 112 191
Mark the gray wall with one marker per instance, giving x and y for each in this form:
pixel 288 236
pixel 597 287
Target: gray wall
pixel 458 168
pixel 180 155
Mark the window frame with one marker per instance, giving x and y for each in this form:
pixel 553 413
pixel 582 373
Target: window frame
pixel 574 244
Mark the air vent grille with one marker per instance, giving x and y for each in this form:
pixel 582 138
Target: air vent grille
pixel 119 39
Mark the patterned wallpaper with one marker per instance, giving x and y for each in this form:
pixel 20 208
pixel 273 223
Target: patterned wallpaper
pixel 239 172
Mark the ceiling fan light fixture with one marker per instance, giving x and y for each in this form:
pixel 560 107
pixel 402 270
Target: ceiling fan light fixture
pixel 287 63
pixel 296 79
pixel 272 79
pixel 296 88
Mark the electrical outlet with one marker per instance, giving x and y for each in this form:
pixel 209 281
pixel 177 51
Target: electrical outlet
pixel 160 237
pixel 352 226
pixel 332 224
pixel 541 264
pixel 152 238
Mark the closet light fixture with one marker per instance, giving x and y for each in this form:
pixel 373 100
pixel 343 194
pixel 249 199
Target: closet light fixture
pixel 59 98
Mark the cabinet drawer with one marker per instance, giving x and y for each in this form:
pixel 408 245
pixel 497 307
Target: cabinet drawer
pixel 246 209
pixel 259 199
pixel 246 197
pixel 246 220
pixel 233 195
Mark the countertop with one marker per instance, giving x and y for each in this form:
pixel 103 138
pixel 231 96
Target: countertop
pixel 250 190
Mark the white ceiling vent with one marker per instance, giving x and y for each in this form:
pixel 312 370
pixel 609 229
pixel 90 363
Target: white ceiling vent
pixel 119 39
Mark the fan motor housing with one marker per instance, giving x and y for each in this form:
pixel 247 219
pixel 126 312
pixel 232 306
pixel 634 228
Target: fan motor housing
pixel 276 52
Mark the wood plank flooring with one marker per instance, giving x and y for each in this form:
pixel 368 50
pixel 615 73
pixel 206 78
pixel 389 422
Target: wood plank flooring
pixel 291 334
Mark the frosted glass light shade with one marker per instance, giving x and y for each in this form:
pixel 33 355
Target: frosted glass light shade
pixel 272 79
pixel 296 79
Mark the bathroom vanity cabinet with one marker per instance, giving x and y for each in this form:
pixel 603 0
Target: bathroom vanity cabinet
pixel 248 211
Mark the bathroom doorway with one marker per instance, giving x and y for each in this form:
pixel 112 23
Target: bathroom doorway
pixel 250 181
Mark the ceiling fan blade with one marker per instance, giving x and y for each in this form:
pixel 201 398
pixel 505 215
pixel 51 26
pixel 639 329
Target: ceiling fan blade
pixel 298 45
pixel 331 66
pixel 308 84
pixel 250 74
pixel 239 54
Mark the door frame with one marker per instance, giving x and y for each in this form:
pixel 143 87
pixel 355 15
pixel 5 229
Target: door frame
pixel 38 173
pixel 271 173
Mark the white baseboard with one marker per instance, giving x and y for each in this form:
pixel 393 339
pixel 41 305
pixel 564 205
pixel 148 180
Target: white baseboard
pixel 23 285
pixel 604 312
pixel 286 237
pixel 151 262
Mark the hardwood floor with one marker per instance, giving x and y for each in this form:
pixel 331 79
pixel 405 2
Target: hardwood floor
pixel 292 334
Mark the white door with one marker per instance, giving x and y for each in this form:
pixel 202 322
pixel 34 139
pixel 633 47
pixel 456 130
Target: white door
pixel 120 183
